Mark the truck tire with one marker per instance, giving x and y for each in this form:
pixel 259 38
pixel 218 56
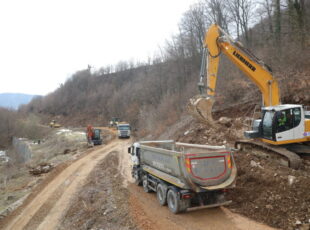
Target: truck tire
pixel 161 194
pixel 145 184
pixel 173 201
pixel 137 177
pixel 175 204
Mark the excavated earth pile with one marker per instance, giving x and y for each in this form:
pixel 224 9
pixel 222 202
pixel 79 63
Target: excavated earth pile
pixel 272 194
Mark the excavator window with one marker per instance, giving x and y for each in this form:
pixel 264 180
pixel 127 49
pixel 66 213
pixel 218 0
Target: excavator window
pixel 297 116
pixel 288 119
pixel 268 124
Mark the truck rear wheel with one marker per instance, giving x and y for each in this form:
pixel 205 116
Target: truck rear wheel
pixel 161 194
pixel 175 204
pixel 173 201
pixel 145 184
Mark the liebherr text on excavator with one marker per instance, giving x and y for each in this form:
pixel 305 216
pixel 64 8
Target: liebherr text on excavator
pixel 282 129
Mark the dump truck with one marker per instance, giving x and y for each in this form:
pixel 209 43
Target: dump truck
pixel 123 130
pixel 184 176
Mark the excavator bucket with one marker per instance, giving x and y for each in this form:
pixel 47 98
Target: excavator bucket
pixel 200 107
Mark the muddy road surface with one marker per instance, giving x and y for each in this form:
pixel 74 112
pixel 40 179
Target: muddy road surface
pixel 96 192
pixel 149 215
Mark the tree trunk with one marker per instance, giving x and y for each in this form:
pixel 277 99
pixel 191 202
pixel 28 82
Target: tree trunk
pixel 278 25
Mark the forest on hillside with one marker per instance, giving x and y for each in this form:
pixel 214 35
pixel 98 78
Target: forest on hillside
pixel 152 95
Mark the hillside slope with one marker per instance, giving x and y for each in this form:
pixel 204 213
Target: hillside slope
pixel 154 94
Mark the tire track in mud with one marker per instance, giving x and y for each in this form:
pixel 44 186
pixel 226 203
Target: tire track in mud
pixel 45 209
pixel 102 202
pixel 149 215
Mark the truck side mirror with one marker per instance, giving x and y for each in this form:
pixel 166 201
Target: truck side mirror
pixel 129 150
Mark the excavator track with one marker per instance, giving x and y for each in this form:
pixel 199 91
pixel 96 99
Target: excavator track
pixel 284 156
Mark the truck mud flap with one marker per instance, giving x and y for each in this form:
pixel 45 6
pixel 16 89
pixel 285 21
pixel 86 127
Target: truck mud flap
pixel 209 206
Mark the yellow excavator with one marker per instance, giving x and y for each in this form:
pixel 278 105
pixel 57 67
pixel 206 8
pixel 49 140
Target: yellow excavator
pixel 283 129
pixel 54 124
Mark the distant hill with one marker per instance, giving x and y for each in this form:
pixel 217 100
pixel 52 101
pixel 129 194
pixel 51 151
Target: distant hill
pixel 153 95
pixel 14 100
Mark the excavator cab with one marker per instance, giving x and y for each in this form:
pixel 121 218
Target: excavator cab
pixel 279 124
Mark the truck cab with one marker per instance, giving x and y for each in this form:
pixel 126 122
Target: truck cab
pixel 123 130
pixel 134 151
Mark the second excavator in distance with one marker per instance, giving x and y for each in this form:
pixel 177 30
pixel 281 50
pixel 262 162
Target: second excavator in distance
pixel 282 129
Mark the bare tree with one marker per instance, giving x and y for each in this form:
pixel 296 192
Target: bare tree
pixel 297 16
pixel 241 13
pixel 217 12
pixel 194 24
pixel 269 10
pixel 278 23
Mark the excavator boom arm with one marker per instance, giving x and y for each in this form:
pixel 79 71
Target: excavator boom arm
pixel 217 42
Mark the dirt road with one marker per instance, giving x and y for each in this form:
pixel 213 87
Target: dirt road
pixel 50 207
pixel 47 208
pixel 150 215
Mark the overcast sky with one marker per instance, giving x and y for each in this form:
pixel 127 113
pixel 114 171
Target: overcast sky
pixel 43 42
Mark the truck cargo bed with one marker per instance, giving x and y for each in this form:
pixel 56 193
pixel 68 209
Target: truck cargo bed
pixel 189 165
